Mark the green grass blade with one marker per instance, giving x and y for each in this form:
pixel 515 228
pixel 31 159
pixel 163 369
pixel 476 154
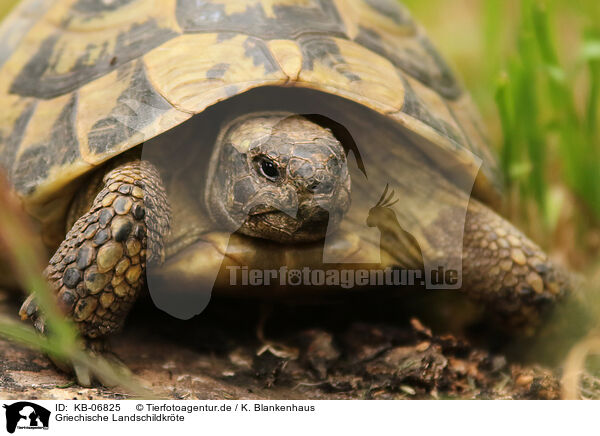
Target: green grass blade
pixel 591 54
pixel 508 151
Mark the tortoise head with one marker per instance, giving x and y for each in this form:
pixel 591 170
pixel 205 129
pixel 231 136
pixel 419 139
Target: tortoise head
pixel 278 176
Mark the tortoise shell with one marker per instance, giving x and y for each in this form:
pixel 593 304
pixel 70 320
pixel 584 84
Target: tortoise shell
pixel 71 72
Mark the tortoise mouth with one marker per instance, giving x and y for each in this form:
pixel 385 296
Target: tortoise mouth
pixel 273 224
pixel 264 209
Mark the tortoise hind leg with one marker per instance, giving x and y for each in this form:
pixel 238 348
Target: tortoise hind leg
pixel 98 270
pixel 507 271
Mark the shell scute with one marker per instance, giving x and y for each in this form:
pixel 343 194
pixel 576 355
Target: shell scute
pixel 271 19
pixel 76 42
pixel 50 142
pixel 53 71
pixel 136 107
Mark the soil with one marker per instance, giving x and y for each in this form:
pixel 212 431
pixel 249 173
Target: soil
pixel 333 351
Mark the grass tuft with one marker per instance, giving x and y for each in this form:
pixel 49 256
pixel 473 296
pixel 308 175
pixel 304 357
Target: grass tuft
pixel 543 129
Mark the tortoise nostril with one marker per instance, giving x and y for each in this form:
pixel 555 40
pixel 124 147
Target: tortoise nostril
pixel 313 186
pixel 321 187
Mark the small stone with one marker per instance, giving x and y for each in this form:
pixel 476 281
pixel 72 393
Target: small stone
pixel 133 247
pixel 121 228
pixel 106 299
pixel 72 277
pixel 536 282
pixel 121 290
pixel 493 246
pixel 133 274
pixel 138 211
pixel 122 266
pixel 137 192
pixel 524 380
pixel 102 236
pixel 105 216
pixel 506 265
pixel 518 257
pixel 501 232
pixel 85 308
pixel 95 281
pixel 122 205
pixel 125 189
pixel 483 244
pixel 108 256
pixel 108 200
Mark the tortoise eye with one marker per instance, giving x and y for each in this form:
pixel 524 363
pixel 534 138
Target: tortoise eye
pixel 268 168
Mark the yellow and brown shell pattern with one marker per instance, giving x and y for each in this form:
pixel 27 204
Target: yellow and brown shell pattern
pixel 83 80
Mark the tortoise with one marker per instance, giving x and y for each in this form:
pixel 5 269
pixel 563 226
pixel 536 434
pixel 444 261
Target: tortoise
pixel 193 138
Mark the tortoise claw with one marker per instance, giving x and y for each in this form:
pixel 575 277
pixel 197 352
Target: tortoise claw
pixel 91 366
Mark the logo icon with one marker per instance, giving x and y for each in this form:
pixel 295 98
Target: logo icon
pixel 26 415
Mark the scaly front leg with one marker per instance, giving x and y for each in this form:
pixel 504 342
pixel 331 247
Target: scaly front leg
pixel 98 270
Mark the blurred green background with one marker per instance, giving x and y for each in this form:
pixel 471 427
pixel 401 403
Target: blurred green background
pixel 533 68
pixel 6 6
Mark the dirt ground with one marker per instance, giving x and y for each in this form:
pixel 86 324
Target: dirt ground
pixel 333 351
